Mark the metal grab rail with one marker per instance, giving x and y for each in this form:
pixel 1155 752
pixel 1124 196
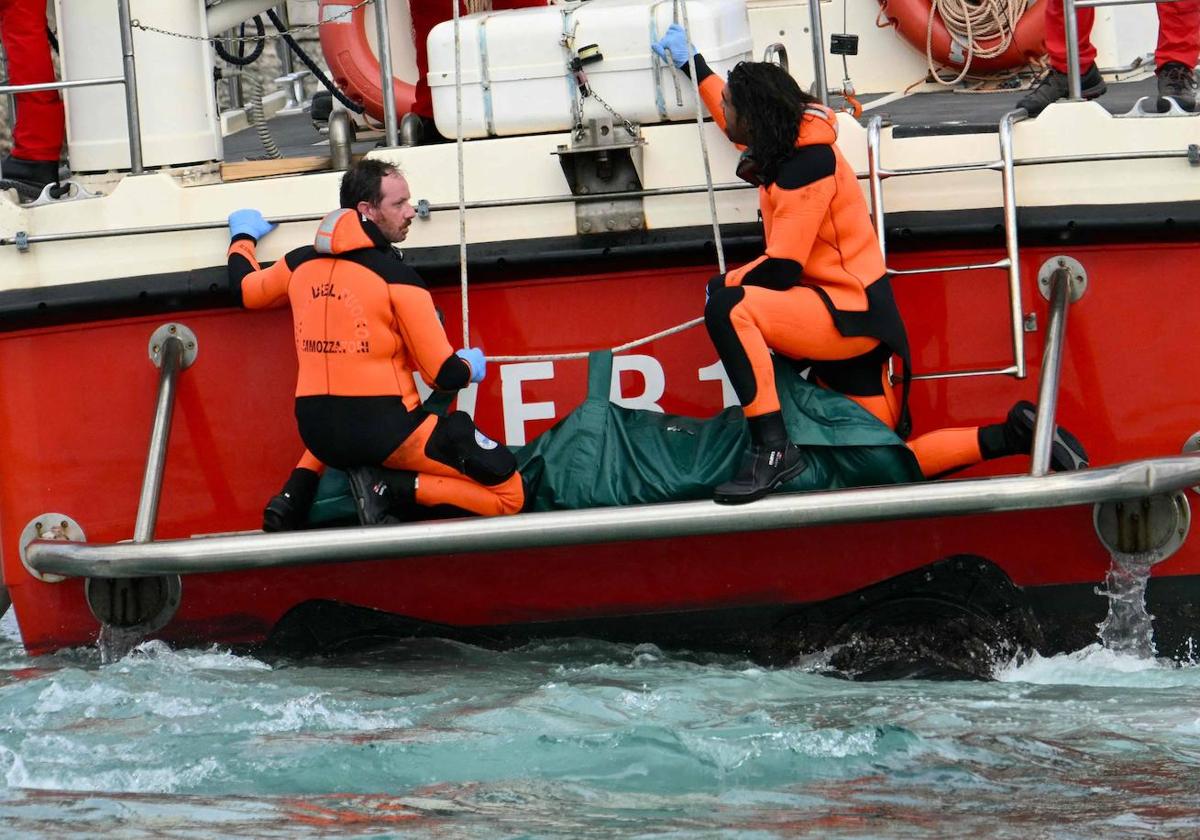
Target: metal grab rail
pixel 490 204
pixel 621 524
pixel 1047 404
pixel 1011 261
pixel 171 355
pixel 128 79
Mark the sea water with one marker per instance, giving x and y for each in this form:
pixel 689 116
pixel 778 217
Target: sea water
pixel 575 738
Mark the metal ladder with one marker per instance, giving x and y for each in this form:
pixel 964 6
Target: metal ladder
pixel 1010 263
pixel 1063 283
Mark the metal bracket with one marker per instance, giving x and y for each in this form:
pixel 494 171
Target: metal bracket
pixel 62 192
pixel 159 337
pixel 21 240
pixel 602 160
pixel 48 526
pixel 776 53
pixel 1078 276
pixel 297 102
pixel 1174 109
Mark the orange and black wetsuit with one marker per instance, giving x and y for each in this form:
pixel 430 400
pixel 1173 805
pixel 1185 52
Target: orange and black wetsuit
pixel 819 294
pixel 364 322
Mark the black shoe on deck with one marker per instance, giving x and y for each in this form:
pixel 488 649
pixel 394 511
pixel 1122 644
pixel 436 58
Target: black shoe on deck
pixel 1066 452
pixel 27 177
pixel 762 471
pixel 1177 81
pixel 1053 86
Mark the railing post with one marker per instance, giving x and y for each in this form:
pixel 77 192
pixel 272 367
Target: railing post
pixel 172 349
pixel 875 180
pixel 131 96
pixel 1071 27
pixel 384 35
pixel 1012 246
pixel 818 47
pixel 1062 280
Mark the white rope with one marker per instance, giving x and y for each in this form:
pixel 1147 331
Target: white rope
pixel 462 192
pixel 708 179
pixel 972 23
pixel 583 354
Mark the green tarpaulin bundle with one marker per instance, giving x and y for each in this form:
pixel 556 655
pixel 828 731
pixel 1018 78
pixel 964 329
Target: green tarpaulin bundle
pixel 601 454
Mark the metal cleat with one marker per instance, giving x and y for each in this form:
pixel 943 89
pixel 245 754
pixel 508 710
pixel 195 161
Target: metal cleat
pixel 296 103
pixel 1156 105
pixel 62 192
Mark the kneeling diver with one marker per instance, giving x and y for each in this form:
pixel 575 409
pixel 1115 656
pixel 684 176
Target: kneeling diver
pixel 821 293
pixel 364 321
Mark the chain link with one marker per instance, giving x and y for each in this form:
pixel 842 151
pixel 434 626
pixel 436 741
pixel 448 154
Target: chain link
pixel 246 39
pixel 628 125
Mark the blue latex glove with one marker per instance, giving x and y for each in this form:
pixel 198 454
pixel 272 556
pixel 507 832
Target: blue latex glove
pixel 474 357
pixel 676 41
pixel 249 222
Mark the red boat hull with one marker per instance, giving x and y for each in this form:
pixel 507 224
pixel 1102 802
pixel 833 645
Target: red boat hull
pixel 75 417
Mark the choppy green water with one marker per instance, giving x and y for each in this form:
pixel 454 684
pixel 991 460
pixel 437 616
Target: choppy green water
pixel 581 739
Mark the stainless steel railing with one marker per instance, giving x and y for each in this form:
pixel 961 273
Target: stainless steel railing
pixel 128 79
pixel 233 552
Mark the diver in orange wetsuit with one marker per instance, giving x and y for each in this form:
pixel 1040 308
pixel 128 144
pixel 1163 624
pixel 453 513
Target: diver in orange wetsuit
pixel 820 294
pixel 364 322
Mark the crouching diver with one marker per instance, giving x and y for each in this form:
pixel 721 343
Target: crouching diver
pixel 820 294
pixel 364 322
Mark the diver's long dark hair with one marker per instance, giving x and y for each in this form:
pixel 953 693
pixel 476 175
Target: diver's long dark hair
pixel 769 104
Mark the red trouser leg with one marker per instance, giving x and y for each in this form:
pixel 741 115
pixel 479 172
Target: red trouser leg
pixel 439 484
pixel 1178 33
pixel 40 129
pixel 1056 37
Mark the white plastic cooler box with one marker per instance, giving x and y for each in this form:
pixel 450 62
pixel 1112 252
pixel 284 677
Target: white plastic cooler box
pixel 516 77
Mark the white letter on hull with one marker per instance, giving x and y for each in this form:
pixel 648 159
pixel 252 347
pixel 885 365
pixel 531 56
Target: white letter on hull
pixel 516 411
pixel 652 375
pixel 717 371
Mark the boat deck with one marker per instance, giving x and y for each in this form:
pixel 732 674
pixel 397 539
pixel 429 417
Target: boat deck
pixel 958 111
pixel 948 111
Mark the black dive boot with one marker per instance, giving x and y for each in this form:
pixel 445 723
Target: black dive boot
pixel 288 510
pixel 770 462
pixel 1015 437
pixel 380 494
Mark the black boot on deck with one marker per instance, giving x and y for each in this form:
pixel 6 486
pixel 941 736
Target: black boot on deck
pixel 288 510
pixel 1053 86
pixel 27 177
pixel 380 494
pixel 1015 437
pixel 1177 81
pixel 770 462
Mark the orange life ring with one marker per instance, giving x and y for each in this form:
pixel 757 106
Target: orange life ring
pixel 352 62
pixel 911 19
